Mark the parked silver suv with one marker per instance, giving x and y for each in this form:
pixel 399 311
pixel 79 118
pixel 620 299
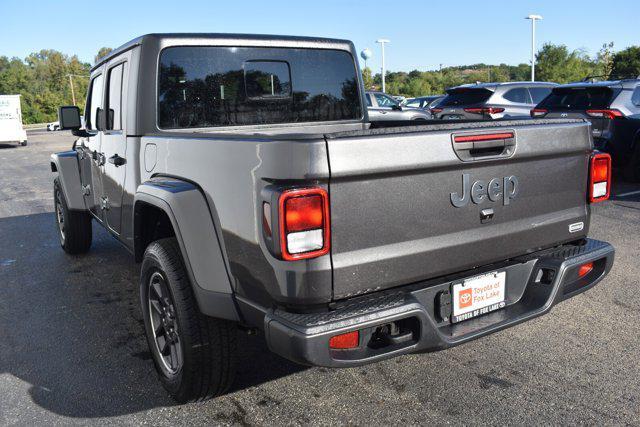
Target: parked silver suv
pixel 487 101
pixel 383 107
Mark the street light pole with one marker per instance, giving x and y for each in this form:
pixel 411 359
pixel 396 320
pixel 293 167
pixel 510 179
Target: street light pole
pixel 384 70
pixel 533 19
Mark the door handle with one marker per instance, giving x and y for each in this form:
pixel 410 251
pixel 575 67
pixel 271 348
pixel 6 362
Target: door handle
pixel 117 161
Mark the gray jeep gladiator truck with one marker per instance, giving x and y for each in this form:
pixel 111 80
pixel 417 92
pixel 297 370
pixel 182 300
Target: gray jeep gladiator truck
pixel 243 174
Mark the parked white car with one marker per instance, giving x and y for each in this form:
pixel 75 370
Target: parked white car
pixel 53 126
pixel 11 129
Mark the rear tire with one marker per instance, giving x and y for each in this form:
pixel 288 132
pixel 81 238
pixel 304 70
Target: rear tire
pixel 194 355
pixel 74 227
pixel 24 143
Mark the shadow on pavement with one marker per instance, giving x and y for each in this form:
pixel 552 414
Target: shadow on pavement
pixel 71 327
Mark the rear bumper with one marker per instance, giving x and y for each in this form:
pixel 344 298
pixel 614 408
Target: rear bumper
pixel 304 338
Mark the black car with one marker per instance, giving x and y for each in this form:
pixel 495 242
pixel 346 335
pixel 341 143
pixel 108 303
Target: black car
pixel 612 107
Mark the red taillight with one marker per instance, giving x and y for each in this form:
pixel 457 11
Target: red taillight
pixel 538 112
pixel 485 110
pixel 436 110
pixel 607 114
pixel 585 269
pixel 345 341
pixel 599 177
pixel 304 223
pixel 483 137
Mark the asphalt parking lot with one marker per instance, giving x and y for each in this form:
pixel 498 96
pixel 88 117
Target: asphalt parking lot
pixel 72 348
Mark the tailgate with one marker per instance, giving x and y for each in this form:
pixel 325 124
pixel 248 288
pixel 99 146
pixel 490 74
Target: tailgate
pixel 402 208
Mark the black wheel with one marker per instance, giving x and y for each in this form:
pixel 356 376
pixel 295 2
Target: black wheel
pixel 195 355
pixel 74 227
pixel 24 143
pixel 631 172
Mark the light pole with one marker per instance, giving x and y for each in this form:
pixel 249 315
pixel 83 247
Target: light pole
pixel 533 19
pixel 382 43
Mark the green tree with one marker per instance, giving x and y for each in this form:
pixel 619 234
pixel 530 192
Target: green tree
pixel 367 78
pixel 104 51
pixel 626 63
pixel 604 60
pixel 555 63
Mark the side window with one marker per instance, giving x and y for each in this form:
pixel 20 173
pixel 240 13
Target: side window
pixel 114 98
pixel 368 98
pixel 519 95
pixel 415 103
pixel 384 101
pixel 635 96
pixel 539 93
pixel 95 102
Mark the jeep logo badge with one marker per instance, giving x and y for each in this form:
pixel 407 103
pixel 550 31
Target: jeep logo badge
pixel 494 190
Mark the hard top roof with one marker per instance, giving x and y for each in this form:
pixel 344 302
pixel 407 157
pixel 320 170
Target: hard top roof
pixel 212 38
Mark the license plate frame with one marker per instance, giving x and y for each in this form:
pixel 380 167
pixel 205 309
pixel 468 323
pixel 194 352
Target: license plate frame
pixel 478 295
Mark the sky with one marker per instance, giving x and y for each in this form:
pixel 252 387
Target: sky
pixel 423 34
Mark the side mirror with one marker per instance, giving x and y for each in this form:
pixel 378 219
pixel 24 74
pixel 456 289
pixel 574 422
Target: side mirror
pixel 396 107
pixel 69 117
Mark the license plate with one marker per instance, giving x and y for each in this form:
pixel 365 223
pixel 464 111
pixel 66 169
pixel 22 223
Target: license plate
pixel 451 117
pixel 478 295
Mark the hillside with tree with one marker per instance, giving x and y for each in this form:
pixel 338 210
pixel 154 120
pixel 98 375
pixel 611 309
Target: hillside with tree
pixel 45 79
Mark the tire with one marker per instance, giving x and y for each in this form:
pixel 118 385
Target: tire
pixel 199 357
pixel 74 227
pixel 24 143
pixel 631 171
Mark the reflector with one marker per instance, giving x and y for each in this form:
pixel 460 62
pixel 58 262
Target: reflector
pixel 345 341
pixel 585 269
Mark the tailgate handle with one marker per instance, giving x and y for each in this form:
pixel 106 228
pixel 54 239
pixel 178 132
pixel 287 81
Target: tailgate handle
pixel 480 146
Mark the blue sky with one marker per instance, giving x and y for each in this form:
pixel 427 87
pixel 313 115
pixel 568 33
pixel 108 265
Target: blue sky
pixel 423 34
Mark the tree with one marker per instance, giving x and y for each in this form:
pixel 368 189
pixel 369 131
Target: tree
pixel 367 78
pixel 104 51
pixel 555 63
pixel 626 63
pixel 604 60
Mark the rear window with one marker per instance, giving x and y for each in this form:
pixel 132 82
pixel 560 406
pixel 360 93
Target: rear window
pixel 226 86
pixel 456 97
pixel 578 98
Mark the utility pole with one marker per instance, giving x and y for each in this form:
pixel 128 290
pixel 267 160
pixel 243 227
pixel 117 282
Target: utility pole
pixel 73 94
pixel 533 19
pixel 384 70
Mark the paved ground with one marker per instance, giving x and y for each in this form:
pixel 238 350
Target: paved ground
pixel 72 347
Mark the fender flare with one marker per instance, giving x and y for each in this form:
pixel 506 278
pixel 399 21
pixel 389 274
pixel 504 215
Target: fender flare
pixel 67 167
pixel 186 207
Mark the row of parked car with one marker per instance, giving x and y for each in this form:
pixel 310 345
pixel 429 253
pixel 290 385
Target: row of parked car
pixel 612 107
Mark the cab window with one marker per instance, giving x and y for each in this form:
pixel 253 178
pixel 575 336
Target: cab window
pixel 95 102
pixel 114 98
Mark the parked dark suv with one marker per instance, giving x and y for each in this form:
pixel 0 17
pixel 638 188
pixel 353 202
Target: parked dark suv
pixel 487 101
pixel 612 107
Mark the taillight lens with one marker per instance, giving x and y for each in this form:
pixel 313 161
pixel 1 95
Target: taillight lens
pixel 436 110
pixel 485 110
pixel 304 223
pixel 585 269
pixel 599 177
pixel 345 341
pixel 538 112
pixel 607 114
